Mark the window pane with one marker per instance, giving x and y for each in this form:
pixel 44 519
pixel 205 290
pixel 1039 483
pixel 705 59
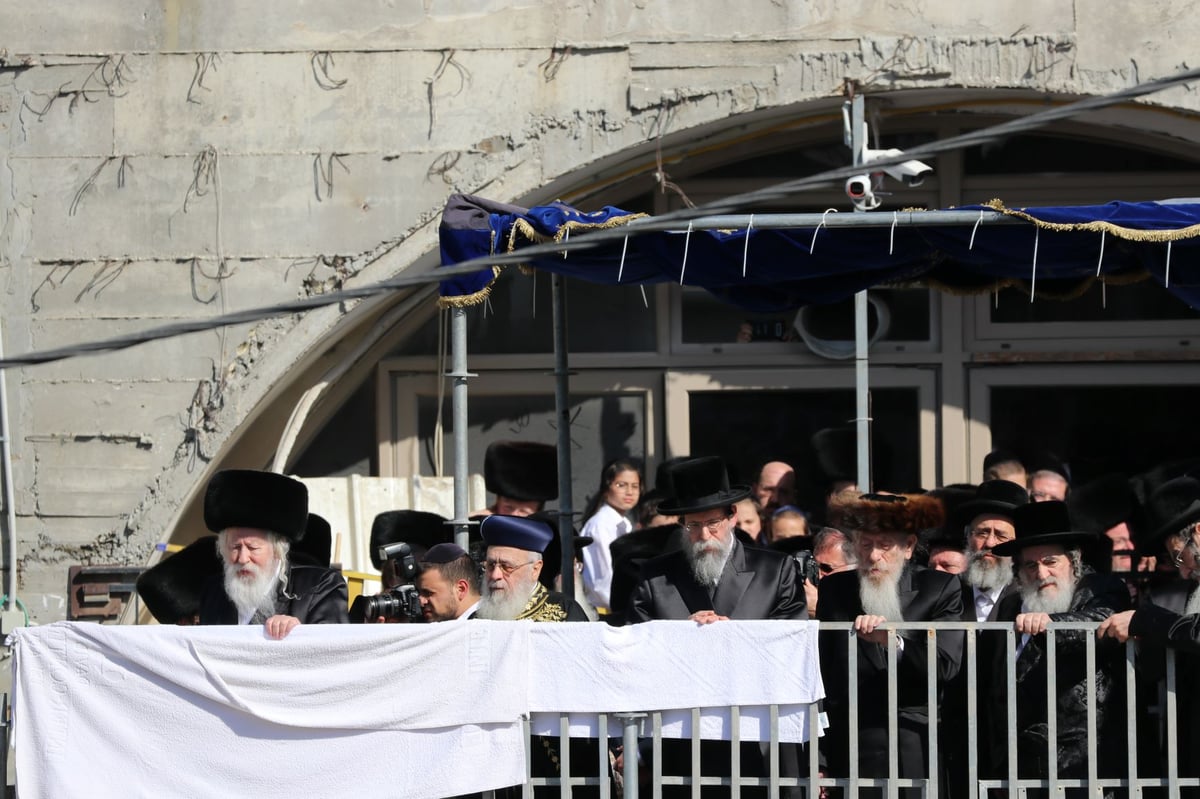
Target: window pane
pixel 749 428
pixel 1142 301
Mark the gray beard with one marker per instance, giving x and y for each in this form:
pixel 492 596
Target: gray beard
pixel 1193 603
pixel 881 598
pixel 253 595
pixel 986 578
pixel 707 564
pixel 1034 602
pixel 502 605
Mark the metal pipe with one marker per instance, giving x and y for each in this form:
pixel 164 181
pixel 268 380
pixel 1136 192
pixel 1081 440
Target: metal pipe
pixel 862 398
pixel 10 507
pixel 629 753
pixel 562 412
pixel 458 398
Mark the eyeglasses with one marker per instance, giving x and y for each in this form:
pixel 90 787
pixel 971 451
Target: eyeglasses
pixel 1177 558
pixel 712 525
pixel 1050 562
pixel 505 566
pixel 984 533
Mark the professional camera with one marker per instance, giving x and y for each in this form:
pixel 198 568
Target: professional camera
pixel 808 567
pixel 401 602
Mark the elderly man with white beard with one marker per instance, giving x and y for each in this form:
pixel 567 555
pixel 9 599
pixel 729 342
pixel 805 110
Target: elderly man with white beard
pixel 1055 586
pixel 510 590
pixel 257 517
pixel 886 587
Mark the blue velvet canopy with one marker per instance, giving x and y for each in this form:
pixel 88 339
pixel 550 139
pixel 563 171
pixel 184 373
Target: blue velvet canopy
pixel 1059 249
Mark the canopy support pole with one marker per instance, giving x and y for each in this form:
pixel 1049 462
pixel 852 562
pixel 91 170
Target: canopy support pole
pixel 10 508
pixel 458 398
pixel 862 363
pixel 562 411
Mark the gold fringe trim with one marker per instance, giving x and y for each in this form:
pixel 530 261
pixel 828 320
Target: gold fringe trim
pixel 1131 234
pixel 467 300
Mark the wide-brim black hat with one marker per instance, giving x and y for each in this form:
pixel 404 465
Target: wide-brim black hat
pixel 521 470
pixel 837 452
pixel 700 484
pixel 316 548
pixel 257 499
pixel 999 497
pixel 171 589
pixel 1102 504
pixel 418 528
pixel 1042 523
pixel 1171 508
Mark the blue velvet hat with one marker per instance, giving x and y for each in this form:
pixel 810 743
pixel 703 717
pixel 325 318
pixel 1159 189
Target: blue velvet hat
pixel 516 531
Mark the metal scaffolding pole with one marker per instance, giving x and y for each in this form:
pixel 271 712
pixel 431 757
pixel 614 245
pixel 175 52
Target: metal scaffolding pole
pixel 10 510
pixel 562 411
pixel 862 362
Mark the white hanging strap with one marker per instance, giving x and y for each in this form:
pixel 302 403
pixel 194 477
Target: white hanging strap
pixel 621 268
pixel 1100 262
pixel 534 294
pixel 1037 232
pixel 687 242
pixel 746 249
pixel 892 239
pixel 566 238
pixel 645 300
pixel 813 244
pixel 978 222
pixel 1167 280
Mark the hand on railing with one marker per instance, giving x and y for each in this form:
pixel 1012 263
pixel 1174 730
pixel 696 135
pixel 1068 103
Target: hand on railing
pixel 707 617
pixel 1032 623
pixel 1116 626
pixel 865 627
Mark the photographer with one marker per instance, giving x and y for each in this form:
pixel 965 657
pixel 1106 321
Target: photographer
pixel 447 584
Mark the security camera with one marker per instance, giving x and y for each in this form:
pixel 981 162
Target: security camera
pixel 861 190
pixel 911 172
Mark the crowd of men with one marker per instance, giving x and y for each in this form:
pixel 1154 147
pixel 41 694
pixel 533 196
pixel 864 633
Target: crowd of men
pixel 1021 550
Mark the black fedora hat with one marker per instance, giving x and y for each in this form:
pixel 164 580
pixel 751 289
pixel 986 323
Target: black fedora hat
pixel 1102 504
pixel 1172 507
pixel 700 484
pixel 999 497
pixel 1042 523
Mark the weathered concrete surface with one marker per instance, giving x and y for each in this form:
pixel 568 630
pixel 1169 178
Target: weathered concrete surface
pixel 144 143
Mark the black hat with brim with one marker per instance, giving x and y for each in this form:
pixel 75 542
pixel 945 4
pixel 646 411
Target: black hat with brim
pixel 256 499
pixel 171 589
pixel 1172 508
pixel 700 484
pixel 1040 523
pixel 998 497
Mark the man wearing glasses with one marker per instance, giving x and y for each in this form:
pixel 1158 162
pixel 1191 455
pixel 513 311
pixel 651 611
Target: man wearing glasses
pixel 511 590
pixel 1055 586
pixel 987 523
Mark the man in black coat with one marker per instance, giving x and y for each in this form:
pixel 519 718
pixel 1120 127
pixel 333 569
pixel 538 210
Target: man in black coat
pixel 715 578
pixel 258 516
pixel 885 587
pixel 1055 586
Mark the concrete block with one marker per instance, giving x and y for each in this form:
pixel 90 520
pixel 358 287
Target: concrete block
pixel 151 410
pixel 100 26
pixel 192 357
pixel 95 476
pixel 66 109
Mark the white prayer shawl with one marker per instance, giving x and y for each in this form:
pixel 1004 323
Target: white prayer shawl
pixel 337 710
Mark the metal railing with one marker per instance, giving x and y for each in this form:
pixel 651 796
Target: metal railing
pixel 643 732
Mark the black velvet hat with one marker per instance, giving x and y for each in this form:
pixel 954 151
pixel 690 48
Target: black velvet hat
pixel 172 587
pixel 998 497
pixel 1102 504
pixel 1171 508
pixel 420 529
pixel 252 498
pixel 700 484
pixel 316 548
pixel 1042 523
pixel 837 452
pixel 521 470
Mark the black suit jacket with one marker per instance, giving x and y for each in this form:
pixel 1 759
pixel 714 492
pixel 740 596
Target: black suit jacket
pixel 313 595
pixel 968 600
pixel 755 584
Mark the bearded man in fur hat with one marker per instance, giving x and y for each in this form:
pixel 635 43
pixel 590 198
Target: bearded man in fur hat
pixel 885 587
pixel 257 517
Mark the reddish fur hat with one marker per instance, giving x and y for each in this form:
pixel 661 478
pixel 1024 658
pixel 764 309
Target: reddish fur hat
pixel 886 513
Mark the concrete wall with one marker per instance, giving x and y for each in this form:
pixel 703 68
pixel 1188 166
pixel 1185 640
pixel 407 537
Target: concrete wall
pixel 164 161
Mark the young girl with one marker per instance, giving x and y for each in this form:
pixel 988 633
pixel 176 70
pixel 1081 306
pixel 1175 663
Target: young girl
pixel 610 516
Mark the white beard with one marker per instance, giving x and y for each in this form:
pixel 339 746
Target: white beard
pixel 253 593
pixel 707 559
pixel 1193 603
pixel 988 576
pixel 1034 601
pixel 881 597
pixel 503 605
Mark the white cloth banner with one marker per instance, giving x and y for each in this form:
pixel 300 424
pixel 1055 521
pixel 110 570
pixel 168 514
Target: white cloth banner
pixel 425 710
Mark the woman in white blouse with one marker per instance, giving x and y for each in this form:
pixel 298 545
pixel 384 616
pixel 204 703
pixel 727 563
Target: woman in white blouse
pixel 610 515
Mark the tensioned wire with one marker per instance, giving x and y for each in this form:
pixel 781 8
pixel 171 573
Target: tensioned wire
pixel 662 222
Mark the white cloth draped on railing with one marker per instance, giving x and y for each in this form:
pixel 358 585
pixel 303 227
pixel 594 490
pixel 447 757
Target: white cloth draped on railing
pixel 426 710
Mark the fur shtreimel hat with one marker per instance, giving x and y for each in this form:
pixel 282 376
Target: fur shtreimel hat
pixel 420 529
pixel 316 548
pixel 522 470
pixel 262 500
pixel 907 514
pixel 172 587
